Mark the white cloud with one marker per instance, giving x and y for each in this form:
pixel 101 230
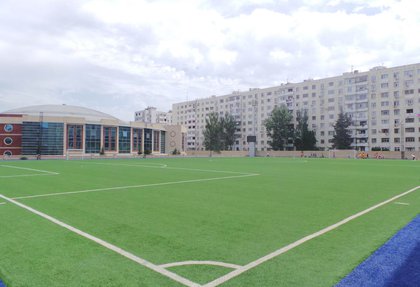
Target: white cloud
pixel 121 56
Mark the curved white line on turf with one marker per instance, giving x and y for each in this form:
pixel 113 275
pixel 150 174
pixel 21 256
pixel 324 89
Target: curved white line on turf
pixel 107 245
pixel 286 248
pixel 2 203
pixel 194 262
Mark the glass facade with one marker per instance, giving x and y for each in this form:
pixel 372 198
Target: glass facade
pixel 137 136
pixel 42 138
pixel 148 139
pixel 93 139
pixel 156 137
pixel 74 136
pixel 162 141
pixel 110 138
pixel 124 138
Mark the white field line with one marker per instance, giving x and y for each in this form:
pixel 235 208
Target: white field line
pixel 2 203
pixel 401 203
pixel 166 167
pixel 23 175
pixel 31 169
pixel 107 245
pixel 135 186
pixel 215 263
pixel 286 248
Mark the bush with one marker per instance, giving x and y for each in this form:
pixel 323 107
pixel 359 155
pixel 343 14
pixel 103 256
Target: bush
pixel 23 158
pixel 376 148
pixel 176 152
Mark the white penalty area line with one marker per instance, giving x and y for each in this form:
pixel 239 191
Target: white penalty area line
pixel 168 167
pixel 286 248
pixel 107 245
pixel 43 172
pixel 136 186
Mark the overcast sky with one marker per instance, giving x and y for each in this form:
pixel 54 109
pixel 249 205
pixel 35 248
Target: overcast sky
pixel 119 56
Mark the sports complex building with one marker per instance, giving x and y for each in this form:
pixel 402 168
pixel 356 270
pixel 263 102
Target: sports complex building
pixel 63 130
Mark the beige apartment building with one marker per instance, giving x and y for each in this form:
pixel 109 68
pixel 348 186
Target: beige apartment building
pixel 384 104
pixel 151 115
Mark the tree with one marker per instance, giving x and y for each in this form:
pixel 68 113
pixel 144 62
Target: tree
pixel 219 133
pixel 304 138
pixel 342 136
pixel 212 133
pixel 228 134
pixel 278 127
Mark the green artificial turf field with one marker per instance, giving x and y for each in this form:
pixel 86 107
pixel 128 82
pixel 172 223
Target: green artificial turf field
pixel 174 210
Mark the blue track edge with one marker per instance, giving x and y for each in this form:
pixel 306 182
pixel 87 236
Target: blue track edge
pixel 2 284
pixel 396 263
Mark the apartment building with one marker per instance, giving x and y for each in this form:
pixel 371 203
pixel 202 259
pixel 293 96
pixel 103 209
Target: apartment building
pixel 151 115
pixel 384 104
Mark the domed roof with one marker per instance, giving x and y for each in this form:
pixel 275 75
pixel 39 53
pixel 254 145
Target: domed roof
pixel 62 111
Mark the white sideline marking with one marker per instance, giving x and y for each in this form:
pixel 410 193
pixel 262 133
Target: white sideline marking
pixel 401 203
pixel 215 263
pixel 135 186
pixel 110 246
pixel 26 168
pixel 286 248
pixel 2 203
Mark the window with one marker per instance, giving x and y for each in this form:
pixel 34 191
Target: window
pixel 137 137
pixel 8 141
pixel 93 139
pixel 385 140
pixel 110 138
pixel 409 120
pixel 396 140
pixel 409 130
pixel 74 136
pixel 46 138
pixel 124 139
pixel 385 112
pixel 410 139
pixel 156 139
pixel 8 128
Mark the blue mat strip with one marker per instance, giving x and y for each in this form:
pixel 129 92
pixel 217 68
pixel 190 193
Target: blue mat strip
pixel 2 284
pixel 396 263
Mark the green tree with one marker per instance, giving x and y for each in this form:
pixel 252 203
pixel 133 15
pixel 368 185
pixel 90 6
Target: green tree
pixel 278 127
pixel 228 134
pixel 212 133
pixel 342 135
pixel 219 133
pixel 304 138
